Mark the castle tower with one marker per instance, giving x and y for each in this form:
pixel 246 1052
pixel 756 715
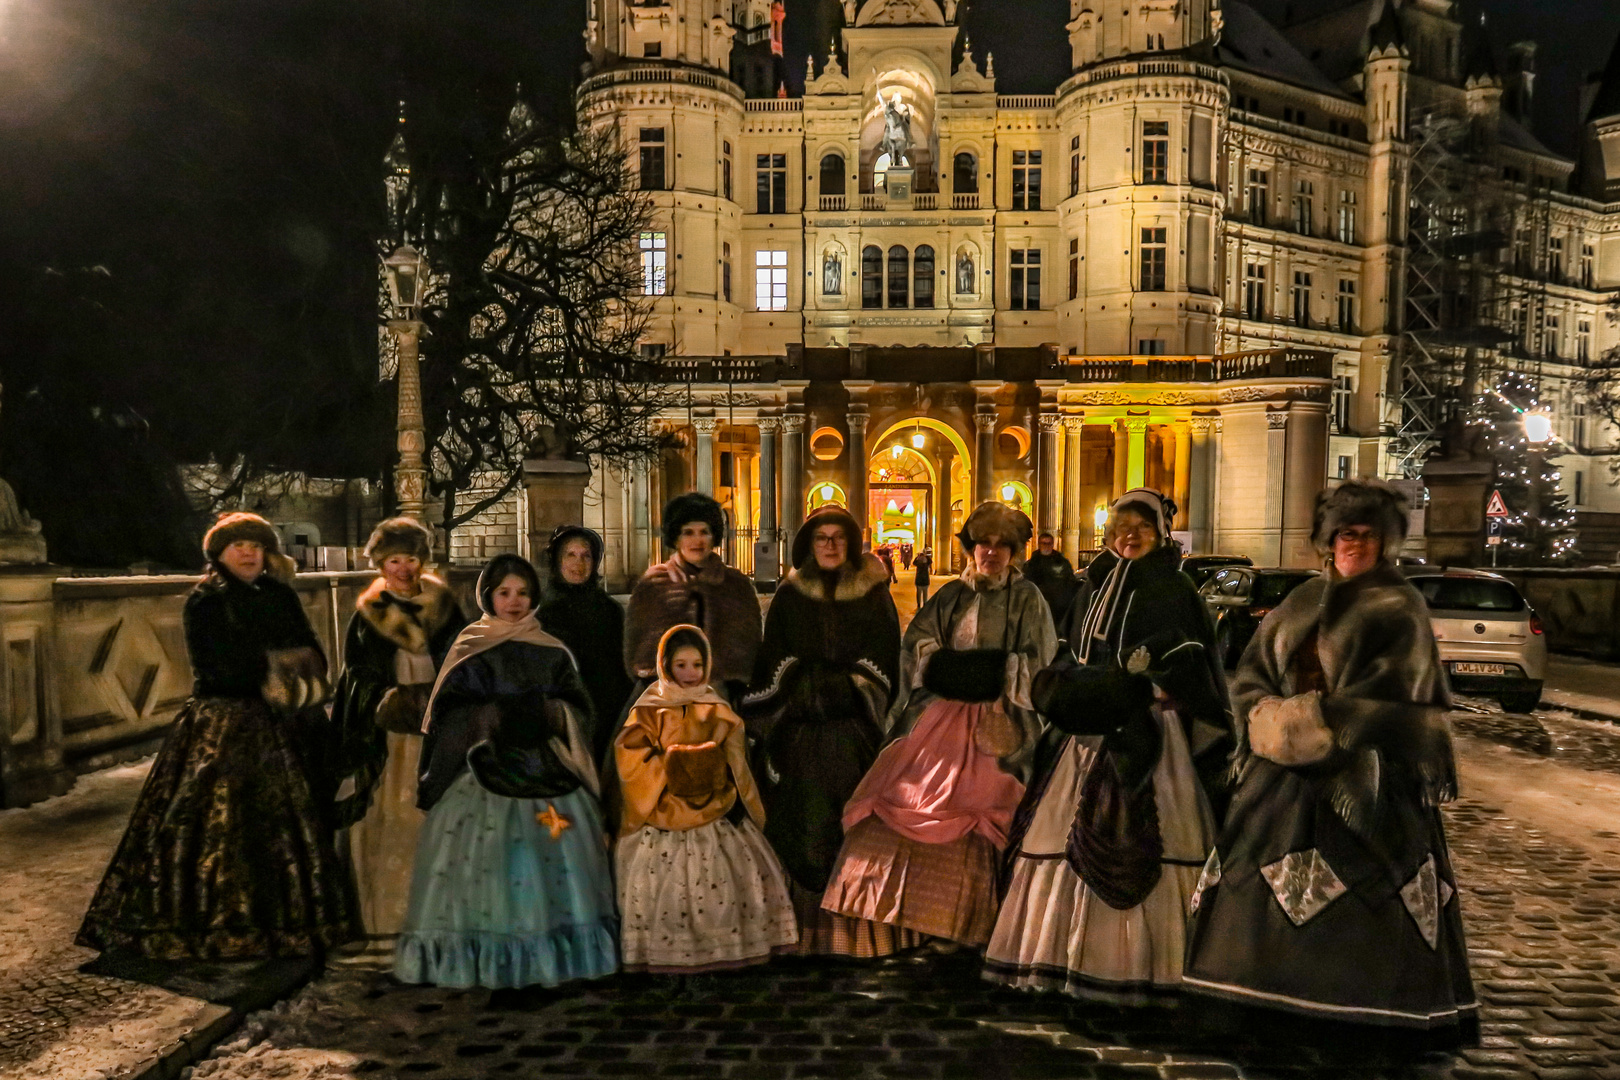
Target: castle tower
pixel 1139 210
pixel 1601 155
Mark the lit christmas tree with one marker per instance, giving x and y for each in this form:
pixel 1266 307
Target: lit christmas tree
pixel 1540 527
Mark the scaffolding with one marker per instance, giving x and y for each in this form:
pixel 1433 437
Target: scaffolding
pixel 1476 280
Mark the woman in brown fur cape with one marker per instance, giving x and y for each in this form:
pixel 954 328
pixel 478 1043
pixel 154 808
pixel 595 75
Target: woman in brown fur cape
pixel 403 625
pixel 825 677
pixel 1330 891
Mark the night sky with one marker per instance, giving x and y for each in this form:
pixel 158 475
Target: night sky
pixel 220 161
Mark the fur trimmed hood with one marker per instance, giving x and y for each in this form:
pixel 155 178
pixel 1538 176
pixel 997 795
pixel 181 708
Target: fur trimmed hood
pixel 846 583
pixel 829 514
pixel 1361 502
pixel 410 624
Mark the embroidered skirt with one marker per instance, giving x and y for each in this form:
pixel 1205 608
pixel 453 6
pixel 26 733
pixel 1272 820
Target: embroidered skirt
pixel 382 845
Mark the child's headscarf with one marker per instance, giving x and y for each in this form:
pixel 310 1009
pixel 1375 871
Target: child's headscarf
pixel 666 691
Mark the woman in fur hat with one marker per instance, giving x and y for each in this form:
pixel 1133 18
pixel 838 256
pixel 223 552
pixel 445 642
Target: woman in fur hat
pixel 401 629
pixel 694 586
pixel 1330 892
pixel 511 886
pixel 229 854
pixel 925 828
pixel 589 622
pixel 1108 843
pixel 823 684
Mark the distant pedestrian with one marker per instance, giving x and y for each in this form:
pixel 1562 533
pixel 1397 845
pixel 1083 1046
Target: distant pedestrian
pixel 922 566
pixel 1053 574
pixel 511 885
pixel 905 555
pixel 228 854
pixel 886 553
pixel 1330 892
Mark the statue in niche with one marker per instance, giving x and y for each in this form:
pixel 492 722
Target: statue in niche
pixel 964 272
pixel 896 131
pixel 832 274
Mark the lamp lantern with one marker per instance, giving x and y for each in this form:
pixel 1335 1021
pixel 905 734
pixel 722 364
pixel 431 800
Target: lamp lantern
pixel 1538 426
pixel 1008 493
pixel 406 270
pixel 1100 517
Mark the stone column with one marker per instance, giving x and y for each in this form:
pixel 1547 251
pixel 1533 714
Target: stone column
pixel 1122 461
pixel 943 530
pixel 855 462
pixel 704 426
pixel 554 489
pixel 410 475
pixel 1200 486
pixel 1136 472
pixel 1182 473
pixel 1073 513
pixel 768 427
pixel 984 451
pixel 1050 481
pixel 1276 487
pixel 792 473
pixel 641 505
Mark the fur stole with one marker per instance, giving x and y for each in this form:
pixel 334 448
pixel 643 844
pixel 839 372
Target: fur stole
pixel 716 598
pixel 409 624
pixel 846 583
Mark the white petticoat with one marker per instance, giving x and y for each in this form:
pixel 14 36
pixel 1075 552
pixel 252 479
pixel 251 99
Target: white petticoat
pixel 710 897
pixel 1053 934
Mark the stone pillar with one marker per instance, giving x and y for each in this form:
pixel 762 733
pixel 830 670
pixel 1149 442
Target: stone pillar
pixel 1136 471
pixel 1182 473
pixel 1122 460
pixel 704 426
pixel 1200 486
pixel 1276 488
pixel 792 473
pixel 554 489
pixel 1073 512
pixel 410 475
pixel 768 427
pixel 984 452
pixel 1051 483
pixel 1454 527
pixel 641 504
pixel 855 461
pixel 943 530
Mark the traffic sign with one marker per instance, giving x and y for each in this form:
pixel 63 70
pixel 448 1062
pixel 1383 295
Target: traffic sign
pixel 1493 530
pixel 1496 507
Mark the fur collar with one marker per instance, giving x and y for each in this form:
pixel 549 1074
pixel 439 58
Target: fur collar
pixel 409 624
pixel 846 583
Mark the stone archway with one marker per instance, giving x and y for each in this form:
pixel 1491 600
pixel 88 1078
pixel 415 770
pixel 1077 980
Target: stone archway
pixel 940 474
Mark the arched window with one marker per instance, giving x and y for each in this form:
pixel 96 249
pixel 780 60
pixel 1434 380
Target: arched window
pixel 899 287
pixel 832 174
pixel 922 277
pixel 965 175
pixel 872 277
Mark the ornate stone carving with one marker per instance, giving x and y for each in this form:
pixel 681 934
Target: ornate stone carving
pixel 768 424
pixel 1202 424
pixel 705 425
pixel 1136 425
pixel 1126 397
pixel 1276 421
pixel 1074 423
pixel 857 423
pixel 984 421
pixel 792 423
pixel 1050 423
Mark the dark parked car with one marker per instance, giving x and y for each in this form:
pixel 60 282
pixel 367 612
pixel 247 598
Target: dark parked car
pixel 1239 597
pixel 1200 567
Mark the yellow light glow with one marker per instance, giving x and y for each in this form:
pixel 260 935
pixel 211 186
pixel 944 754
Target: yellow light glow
pixel 1008 493
pixel 826 491
pixel 1101 516
pixel 917 438
pixel 1537 426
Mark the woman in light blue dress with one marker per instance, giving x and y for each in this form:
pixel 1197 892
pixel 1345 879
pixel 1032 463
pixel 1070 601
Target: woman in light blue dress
pixel 512 884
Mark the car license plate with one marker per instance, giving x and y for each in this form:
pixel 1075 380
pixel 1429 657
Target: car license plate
pixel 1479 669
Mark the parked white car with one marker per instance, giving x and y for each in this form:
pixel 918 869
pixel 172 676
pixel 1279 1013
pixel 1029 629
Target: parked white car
pixel 1491 642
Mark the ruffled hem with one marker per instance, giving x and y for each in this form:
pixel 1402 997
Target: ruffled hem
pixel 464 959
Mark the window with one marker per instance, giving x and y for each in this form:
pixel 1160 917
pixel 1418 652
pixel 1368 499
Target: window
pixel 1555 258
pixel 1340 128
pixel 1304 198
pixel 1347 306
pixel 898 291
pixel 770 280
pixel 1259 194
pixel 922 277
pixel 652 159
pixel 872 277
pixel 1553 336
pixel 1344 467
pixel 1583 340
pixel 1578 499
pixel 725 272
pixel 1074 269
pixel 1026 181
pixel 1347 217
pixel 1588 265
pixel 654 263
pixel 652 49
pixel 1153 260
pixel 1521 249
pixel 1302 299
pixel 1254 290
pixel 771 182
pixel 1155 151
pixel 1074 166
pixel 1150 346
pixel 965 173
pixel 1024 283
pixel 1519 324
pixel 1341 405
pixel 653 352
pixel 1469 594
pixel 725 169
pixel 832 174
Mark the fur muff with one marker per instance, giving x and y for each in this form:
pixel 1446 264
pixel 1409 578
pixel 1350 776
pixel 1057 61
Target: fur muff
pixel 693 506
pixel 410 624
pixel 1290 731
pixel 803 540
pixel 399 536
pixel 848 582
pixel 240 526
pixel 1361 502
pixel 1007 524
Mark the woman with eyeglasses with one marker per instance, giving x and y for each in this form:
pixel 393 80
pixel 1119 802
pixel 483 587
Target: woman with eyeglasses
pixel 1330 891
pixel 1107 845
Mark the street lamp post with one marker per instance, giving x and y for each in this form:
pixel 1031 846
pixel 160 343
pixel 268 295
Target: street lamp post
pixel 406 272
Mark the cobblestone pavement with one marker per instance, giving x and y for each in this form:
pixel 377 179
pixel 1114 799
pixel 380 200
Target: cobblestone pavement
pixel 1554 733
pixel 1540 889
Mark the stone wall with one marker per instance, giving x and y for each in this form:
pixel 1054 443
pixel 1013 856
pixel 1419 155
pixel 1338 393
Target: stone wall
pixel 94 670
pixel 1580 609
